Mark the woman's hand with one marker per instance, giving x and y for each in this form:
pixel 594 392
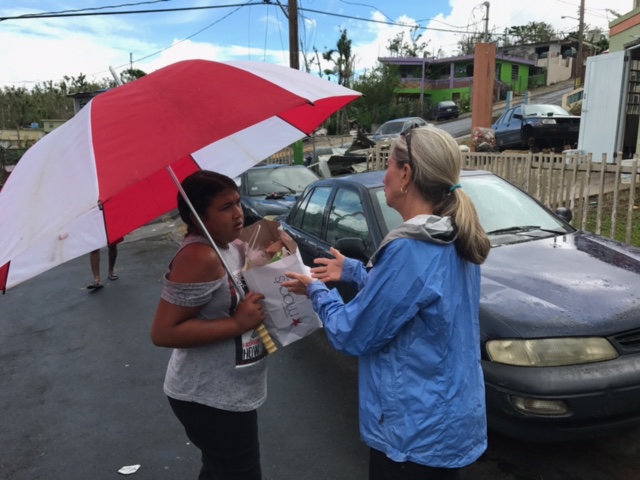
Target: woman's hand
pixel 331 269
pixel 250 312
pixel 299 283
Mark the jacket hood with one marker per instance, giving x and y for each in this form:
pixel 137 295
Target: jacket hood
pixel 427 228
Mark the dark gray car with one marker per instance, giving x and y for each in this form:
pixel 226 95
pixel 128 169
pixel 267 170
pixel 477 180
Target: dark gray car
pixel 443 110
pixel 391 129
pixel 559 315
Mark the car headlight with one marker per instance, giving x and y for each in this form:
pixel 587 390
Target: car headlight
pixel 550 352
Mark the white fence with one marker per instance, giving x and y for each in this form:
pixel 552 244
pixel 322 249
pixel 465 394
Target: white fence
pixel 600 195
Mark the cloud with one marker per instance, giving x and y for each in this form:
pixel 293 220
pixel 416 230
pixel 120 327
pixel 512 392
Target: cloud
pixel 47 49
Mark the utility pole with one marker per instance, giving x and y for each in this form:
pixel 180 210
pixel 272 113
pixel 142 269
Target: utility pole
pixel 580 41
pixel 486 23
pixel 294 62
pixel 291 12
pixel 294 53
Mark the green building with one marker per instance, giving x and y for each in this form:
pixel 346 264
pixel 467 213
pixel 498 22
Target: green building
pixel 432 80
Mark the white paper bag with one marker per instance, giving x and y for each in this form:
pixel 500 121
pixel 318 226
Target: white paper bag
pixel 288 317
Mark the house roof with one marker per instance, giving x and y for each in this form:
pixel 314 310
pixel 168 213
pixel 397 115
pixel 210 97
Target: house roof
pixel 568 40
pixel 87 94
pixel 436 61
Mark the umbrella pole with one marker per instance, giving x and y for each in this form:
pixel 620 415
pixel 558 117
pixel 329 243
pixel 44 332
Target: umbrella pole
pixel 262 331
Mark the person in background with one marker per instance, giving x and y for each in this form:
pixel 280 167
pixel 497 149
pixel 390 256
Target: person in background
pixel 217 374
pixel 414 323
pixel 94 260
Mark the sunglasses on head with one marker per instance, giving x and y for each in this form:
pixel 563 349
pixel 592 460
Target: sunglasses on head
pixel 406 134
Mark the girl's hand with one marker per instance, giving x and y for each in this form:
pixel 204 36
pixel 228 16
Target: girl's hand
pixel 331 269
pixel 299 283
pixel 250 312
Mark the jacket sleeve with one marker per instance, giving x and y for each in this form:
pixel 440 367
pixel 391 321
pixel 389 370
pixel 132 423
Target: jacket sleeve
pixel 354 272
pixel 397 287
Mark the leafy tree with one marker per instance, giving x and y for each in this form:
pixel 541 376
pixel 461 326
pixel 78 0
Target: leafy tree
pixel 532 32
pixel 342 59
pixel 131 74
pixel 378 102
pixel 343 69
pixel 467 43
pixel 313 61
pixel 20 107
pixel 398 47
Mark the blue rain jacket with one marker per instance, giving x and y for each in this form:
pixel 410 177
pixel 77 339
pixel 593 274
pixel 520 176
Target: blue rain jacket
pixel 414 326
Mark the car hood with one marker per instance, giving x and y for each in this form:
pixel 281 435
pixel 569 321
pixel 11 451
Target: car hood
pixel 575 284
pixel 277 206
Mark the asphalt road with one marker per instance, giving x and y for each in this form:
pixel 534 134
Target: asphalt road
pixel 81 394
pixel 81 385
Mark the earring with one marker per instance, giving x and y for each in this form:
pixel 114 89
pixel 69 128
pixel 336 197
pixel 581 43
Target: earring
pixel 403 190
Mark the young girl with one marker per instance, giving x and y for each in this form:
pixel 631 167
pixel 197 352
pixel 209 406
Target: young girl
pixel 217 373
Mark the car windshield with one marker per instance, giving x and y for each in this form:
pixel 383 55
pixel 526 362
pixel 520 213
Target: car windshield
pixel 447 103
pixel 500 206
pixel 545 110
pixel 504 208
pixel 263 181
pixel 390 128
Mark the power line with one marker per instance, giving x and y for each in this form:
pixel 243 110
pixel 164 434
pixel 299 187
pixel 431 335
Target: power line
pixel 190 36
pixel 181 9
pixel 121 12
pixel 370 6
pixel 31 15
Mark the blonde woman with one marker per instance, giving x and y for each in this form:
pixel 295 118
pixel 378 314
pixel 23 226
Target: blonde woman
pixel 414 323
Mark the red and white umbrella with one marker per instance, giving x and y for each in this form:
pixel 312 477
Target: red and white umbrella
pixel 104 172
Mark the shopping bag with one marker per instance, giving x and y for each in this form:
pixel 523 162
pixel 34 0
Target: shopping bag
pixel 288 317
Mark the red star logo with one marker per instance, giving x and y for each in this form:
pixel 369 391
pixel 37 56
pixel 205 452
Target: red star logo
pixel 296 322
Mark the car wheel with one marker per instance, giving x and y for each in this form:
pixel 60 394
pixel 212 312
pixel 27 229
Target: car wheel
pixel 528 140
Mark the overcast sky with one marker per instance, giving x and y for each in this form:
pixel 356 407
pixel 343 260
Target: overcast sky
pixel 36 50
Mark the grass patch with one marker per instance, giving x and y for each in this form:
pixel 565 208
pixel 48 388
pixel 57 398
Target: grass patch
pixel 622 213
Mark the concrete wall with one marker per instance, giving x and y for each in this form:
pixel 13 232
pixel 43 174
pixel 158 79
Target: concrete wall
pixel 624 30
pixel 22 138
pixel 558 69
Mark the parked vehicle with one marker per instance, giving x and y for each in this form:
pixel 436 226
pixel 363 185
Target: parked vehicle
pixel 271 190
pixel 535 127
pixel 391 129
pixel 559 310
pixel 443 110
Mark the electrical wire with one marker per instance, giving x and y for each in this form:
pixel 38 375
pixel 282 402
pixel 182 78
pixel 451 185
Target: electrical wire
pixel 121 12
pixel 281 41
pixel 88 9
pixel 184 39
pixel 167 10
pixel 249 34
pixel 266 32
pixel 370 6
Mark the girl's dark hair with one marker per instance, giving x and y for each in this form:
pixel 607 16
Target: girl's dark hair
pixel 201 188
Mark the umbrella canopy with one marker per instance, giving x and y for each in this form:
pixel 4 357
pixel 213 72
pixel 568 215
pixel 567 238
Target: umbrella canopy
pixel 104 172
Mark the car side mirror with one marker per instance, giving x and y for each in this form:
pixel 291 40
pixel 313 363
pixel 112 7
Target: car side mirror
pixel 565 214
pixel 352 247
